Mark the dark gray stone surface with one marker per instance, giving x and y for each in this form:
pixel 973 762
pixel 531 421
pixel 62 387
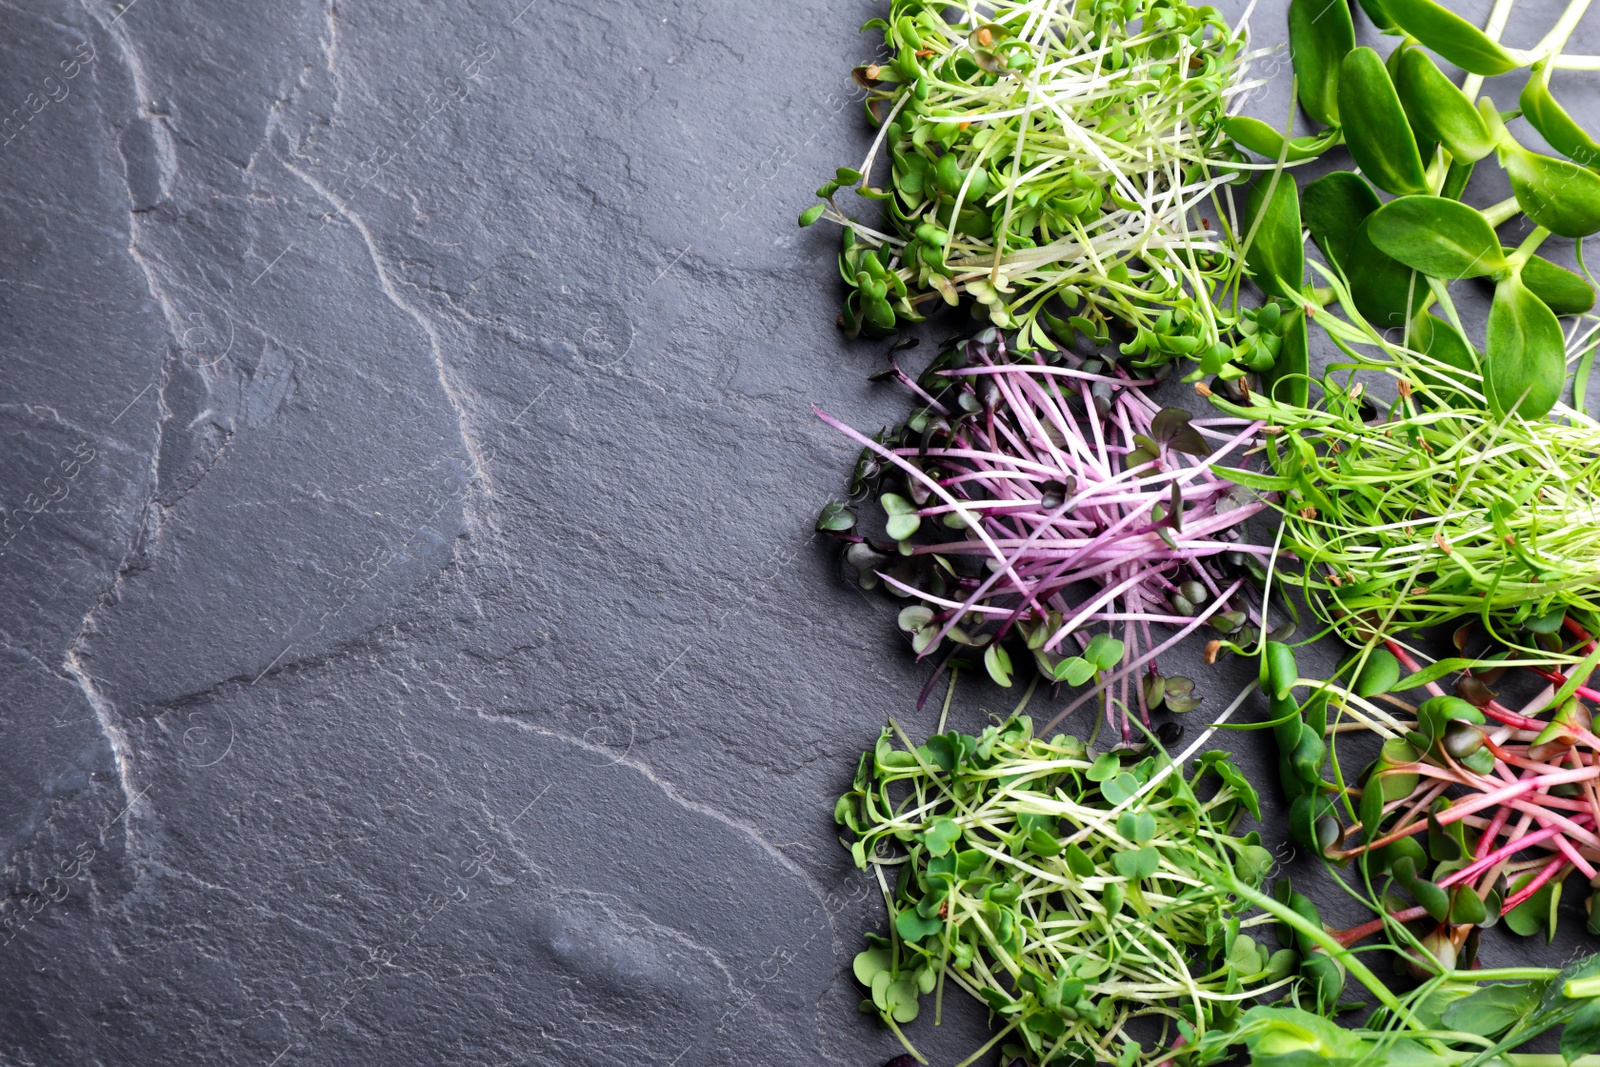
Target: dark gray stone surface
pixel 412 644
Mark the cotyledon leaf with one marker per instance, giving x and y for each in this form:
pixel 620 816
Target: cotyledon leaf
pixel 1287 380
pixel 1557 194
pixel 1439 237
pixel 1563 291
pixel 1336 208
pixel 1333 206
pixel 1554 124
pixel 1260 138
pixel 1438 110
pixel 1438 340
pixel 1452 36
pixel 1276 256
pixel 1525 365
pixel 1320 33
pixel 1375 126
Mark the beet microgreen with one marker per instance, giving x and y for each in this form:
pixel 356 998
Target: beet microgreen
pixel 1078 896
pixel 1049 509
pixel 1477 811
pixel 1053 164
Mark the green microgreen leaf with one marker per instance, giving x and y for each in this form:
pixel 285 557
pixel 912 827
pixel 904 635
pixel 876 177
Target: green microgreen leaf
pixel 1320 34
pixel 997 661
pixel 1562 291
pixel 1265 140
pixel 1378 675
pixel 836 516
pixel 1276 255
pixel 1438 110
pixel 1525 354
pixel 1452 36
pixel 941 836
pixel 1137 863
pixel 1375 125
pixel 1552 122
pixel 1119 788
pixel 1441 238
pixel 1557 194
pixel 1137 826
pixel 1105 767
pixel 1104 652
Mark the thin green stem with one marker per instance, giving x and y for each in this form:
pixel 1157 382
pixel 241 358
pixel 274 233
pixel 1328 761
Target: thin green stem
pixel 1502 212
pixel 1328 943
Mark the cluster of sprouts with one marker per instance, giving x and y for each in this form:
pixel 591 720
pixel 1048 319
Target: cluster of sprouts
pixel 1047 506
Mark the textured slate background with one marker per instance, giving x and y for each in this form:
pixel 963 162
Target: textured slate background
pixel 412 644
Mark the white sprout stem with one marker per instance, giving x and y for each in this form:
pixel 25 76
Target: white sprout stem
pixel 1498 17
pixel 872 153
pixel 1556 39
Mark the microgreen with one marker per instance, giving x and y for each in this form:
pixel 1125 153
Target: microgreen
pixel 1051 163
pixel 1020 485
pixel 1437 508
pixel 1476 810
pixel 1416 135
pixel 1075 895
pixel 1047 162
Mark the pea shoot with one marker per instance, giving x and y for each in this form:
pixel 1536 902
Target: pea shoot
pixel 1434 509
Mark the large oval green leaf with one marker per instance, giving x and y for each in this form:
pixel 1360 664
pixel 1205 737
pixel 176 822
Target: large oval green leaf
pixel 1452 36
pixel 1333 206
pixel 1557 194
pixel 1380 285
pixel 1554 124
pixel 1562 291
pixel 1525 366
pixel 1276 257
pixel 1375 125
pixel 1336 208
pixel 1438 110
pixel 1320 33
pixel 1441 238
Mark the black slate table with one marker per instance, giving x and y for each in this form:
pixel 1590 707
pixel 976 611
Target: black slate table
pixel 413 645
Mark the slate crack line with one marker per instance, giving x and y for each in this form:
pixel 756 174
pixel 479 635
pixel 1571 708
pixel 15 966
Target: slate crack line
pixel 671 791
pixel 166 162
pixel 451 393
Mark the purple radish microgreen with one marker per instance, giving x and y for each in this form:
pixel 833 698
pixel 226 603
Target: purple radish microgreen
pixel 1085 516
